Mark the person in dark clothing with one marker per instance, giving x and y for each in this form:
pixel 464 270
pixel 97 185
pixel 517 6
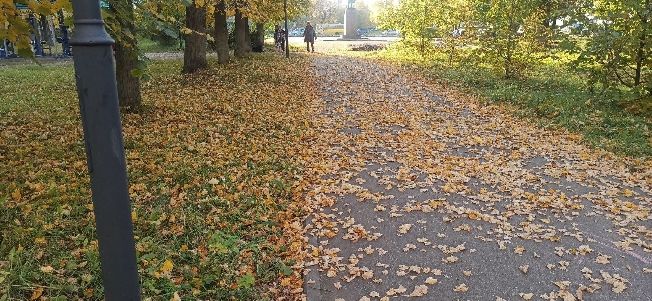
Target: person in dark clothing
pixel 279 38
pixel 309 36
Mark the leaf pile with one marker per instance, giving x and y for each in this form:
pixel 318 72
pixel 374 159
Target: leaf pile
pixel 211 162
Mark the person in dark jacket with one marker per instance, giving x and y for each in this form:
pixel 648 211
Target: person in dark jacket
pixel 279 38
pixel 309 36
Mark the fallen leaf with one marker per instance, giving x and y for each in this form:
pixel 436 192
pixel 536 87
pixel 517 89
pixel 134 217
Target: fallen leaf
pixel 47 269
pixel 167 266
pixel 175 297
pixel 393 291
pixel 403 229
pixel 461 288
pixel 603 259
pixel 431 280
pixel 36 293
pixel 419 290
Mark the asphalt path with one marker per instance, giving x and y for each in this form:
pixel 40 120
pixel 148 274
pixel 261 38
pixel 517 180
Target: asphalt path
pixel 421 193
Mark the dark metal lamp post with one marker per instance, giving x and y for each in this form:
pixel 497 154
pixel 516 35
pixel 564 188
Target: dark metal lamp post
pixel 100 115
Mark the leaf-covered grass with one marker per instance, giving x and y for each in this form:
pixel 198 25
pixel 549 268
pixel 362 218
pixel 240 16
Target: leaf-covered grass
pixel 552 94
pixel 212 169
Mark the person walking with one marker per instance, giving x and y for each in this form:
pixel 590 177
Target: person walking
pixel 279 38
pixel 309 36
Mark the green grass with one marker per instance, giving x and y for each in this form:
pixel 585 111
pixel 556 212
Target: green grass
pixel 551 94
pixel 146 45
pixel 42 89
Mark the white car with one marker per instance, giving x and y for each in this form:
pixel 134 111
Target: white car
pixel 390 33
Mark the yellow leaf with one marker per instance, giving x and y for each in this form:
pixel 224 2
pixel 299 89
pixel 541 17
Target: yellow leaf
pixel 435 204
pixel 167 266
pixel 627 193
pixel 16 194
pixel 47 269
pixel 36 294
pixel 286 281
pixel 175 297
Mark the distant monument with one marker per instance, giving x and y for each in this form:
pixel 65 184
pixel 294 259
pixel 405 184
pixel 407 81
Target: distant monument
pixel 350 22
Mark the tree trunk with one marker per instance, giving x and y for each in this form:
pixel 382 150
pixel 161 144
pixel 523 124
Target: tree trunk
pixel 247 44
pixel 221 33
pixel 260 33
pixel 126 57
pixel 240 35
pixel 640 53
pixel 194 54
pixel 128 86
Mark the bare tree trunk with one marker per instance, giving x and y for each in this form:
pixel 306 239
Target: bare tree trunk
pixel 260 33
pixel 640 53
pixel 247 44
pixel 194 54
pixel 240 35
pixel 221 33
pixel 128 86
pixel 126 57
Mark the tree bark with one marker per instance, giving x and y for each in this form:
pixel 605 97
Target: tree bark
pixel 240 35
pixel 194 54
pixel 128 86
pixel 126 57
pixel 260 34
pixel 221 33
pixel 640 53
pixel 247 44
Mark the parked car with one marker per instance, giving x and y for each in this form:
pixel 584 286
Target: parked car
pixel 298 32
pixel 363 31
pixel 390 33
